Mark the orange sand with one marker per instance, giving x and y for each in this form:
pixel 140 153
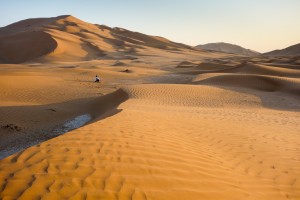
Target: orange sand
pixel 177 124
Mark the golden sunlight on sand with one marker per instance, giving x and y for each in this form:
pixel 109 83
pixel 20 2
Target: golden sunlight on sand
pixel 166 121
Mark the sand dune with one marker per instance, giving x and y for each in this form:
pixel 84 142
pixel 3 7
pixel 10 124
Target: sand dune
pixel 34 24
pixel 69 39
pixel 15 48
pixel 165 122
pixel 228 48
pixel 30 103
pixel 293 50
pixel 242 68
pixel 258 82
pixel 253 76
pixel 265 70
pixel 176 151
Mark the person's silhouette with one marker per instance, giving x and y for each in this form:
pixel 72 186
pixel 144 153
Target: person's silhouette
pixel 97 79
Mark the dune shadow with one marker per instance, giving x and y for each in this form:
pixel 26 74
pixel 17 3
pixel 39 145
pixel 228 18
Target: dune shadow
pixel 274 92
pixel 93 51
pixel 277 89
pixel 35 124
pixel 18 48
pixel 68 67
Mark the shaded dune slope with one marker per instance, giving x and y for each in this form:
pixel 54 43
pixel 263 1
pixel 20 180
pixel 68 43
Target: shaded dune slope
pixel 25 46
pixel 253 76
pixel 258 82
pixel 264 70
pixel 50 119
pixel 245 68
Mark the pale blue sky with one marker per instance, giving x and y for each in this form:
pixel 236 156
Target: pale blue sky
pixel 261 25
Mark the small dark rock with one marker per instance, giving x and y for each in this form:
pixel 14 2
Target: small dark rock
pixel 51 109
pixel 11 127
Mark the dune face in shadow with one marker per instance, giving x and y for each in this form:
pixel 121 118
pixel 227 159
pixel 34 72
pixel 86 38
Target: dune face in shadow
pixel 40 123
pixel 21 47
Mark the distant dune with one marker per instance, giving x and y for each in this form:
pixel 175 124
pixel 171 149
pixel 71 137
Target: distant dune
pixel 228 48
pixel 293 50
pixel 67 38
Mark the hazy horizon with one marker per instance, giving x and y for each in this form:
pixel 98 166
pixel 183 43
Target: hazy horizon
pixel 258 25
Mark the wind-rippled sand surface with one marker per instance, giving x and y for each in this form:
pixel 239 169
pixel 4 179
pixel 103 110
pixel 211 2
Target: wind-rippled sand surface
pixel 168 142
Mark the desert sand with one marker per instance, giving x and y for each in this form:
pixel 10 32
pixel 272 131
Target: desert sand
pixel 166 122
